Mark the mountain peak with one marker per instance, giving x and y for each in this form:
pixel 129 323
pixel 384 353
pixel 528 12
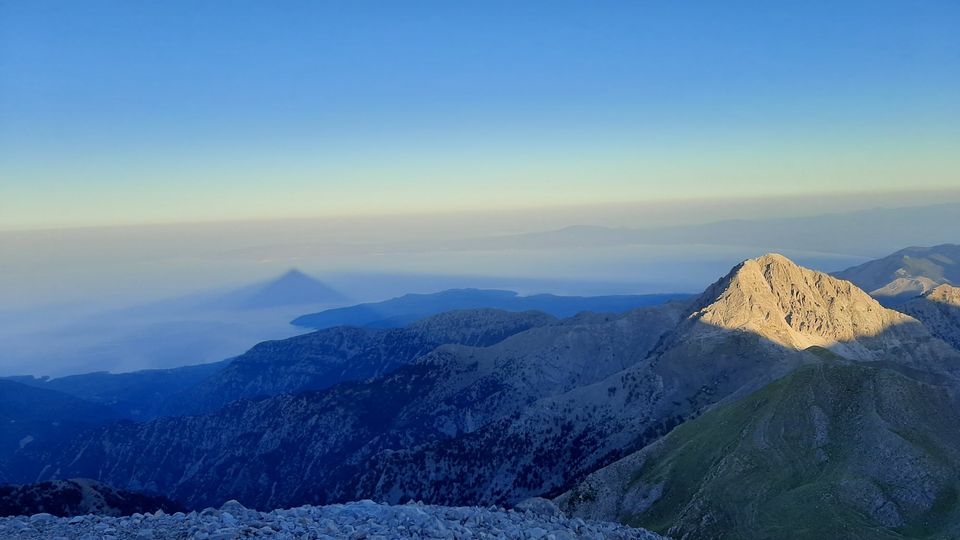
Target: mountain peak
pixel 792 306
pixel 775 259
pixel 945 293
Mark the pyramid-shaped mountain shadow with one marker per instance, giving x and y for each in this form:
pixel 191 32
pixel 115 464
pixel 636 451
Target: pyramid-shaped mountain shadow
pixel 529 415
pixel 293 288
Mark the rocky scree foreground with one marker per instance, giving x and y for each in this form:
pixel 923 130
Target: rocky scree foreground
pixel 364 519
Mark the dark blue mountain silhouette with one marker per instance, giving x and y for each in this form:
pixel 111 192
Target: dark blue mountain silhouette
pixel 405 309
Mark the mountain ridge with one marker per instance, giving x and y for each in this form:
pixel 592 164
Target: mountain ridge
pixel 527 416
pixel 408 308
pixel 907 273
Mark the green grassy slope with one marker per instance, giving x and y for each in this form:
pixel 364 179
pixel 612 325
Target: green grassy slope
pixel 832 450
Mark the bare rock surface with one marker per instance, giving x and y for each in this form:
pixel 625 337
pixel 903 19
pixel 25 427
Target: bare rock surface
pixel 357 520
pixel 939 311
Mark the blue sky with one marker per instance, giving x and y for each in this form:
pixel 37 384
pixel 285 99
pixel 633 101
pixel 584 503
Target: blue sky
pixel 146 111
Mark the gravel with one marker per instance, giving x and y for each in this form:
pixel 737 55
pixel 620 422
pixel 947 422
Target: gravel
pixel 357 520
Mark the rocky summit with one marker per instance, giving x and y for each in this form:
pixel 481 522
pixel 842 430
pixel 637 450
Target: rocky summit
pixel 859 439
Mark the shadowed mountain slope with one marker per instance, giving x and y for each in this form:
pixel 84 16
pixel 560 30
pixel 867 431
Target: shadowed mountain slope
pixel 312 446
pixel 139 395
pixel 33 416
pixel 328 357
pixel 78 497
pixel 939 311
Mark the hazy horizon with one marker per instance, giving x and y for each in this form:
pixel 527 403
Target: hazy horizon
pixel 150 151
pixel 205 255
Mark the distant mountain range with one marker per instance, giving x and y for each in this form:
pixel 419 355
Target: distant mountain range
pixel 403 310
pixel 779 399
pixel 908 273
pixel 867 233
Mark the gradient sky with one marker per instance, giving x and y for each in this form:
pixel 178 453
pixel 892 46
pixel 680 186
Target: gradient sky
pixel 163 111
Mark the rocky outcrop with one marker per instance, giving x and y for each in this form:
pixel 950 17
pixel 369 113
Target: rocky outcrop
pixel 939 311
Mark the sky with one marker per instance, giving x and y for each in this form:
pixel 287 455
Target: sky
pixel 122 113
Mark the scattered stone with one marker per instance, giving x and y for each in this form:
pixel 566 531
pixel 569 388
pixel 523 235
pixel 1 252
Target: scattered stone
pixel 365 519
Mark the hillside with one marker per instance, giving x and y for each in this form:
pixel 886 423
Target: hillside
pixel 312 445
pixel 31 417
pixel 328 357
pixel 139 395
pixel 832 450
